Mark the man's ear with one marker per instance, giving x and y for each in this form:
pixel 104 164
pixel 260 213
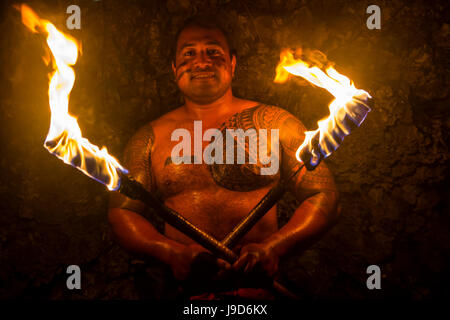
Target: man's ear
pixel 174 70
pixel 233 64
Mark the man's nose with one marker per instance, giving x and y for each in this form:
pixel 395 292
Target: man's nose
pixel 202 60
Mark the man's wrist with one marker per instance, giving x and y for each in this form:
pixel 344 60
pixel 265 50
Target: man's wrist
pixel 172 251
pixel 275 244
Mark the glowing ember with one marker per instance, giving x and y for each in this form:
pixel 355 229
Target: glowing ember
pixel 64 138
pixel 349 107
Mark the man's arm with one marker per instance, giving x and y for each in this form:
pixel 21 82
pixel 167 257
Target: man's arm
pixel 315 189
pixel 131 229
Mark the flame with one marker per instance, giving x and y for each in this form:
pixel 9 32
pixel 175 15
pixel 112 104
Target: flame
pixel 349 104
pixel 64 138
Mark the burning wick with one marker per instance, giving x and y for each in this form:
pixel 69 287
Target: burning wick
pixel 347 110
pixel 64 138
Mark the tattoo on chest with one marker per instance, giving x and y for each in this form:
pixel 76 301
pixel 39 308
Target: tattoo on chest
pixel 245 153
pixel 248 176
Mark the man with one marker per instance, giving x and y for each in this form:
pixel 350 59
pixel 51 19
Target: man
pixel 216 197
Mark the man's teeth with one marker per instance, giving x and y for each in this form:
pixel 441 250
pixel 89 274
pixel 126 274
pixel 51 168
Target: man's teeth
pixel 202 76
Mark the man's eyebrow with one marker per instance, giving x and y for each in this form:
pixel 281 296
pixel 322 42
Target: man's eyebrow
pixel 186 45
pixel 214 42
pixel 210 42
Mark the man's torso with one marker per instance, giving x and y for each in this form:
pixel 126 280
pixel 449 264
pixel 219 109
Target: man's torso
pixel 213 197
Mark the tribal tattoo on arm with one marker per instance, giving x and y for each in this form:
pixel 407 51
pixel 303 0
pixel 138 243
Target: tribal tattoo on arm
pixel 315 190
pixel 306 183
pixel 292 135
pixel 137 159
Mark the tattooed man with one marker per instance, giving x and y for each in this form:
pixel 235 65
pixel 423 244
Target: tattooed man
pixel 215 197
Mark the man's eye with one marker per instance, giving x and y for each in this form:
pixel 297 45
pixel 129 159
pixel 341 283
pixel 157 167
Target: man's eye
pixel 189 53
pixel 213 51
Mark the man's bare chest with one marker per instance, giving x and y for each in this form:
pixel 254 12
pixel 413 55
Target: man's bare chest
pixel 235 155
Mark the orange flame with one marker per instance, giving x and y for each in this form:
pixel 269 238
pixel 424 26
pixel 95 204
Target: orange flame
pixel 64 138
pixel 349 104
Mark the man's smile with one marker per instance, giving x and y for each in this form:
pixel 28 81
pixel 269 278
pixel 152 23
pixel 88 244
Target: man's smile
pixel 203 75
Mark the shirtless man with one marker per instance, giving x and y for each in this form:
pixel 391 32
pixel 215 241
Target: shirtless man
pixel 216 197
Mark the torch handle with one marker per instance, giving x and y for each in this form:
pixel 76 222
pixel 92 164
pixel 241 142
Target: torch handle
pixel 135 190
pixel 263 206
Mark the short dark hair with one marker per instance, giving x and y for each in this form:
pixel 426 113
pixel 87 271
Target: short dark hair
pixel 204 22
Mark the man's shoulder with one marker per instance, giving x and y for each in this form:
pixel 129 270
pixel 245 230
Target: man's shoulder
pixel 264 108
pixel 141 138
pixel 265 115
pixel 171 116
pixel 148 129
pixel 260 107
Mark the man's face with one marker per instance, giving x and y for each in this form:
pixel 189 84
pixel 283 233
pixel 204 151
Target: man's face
pixel 203 68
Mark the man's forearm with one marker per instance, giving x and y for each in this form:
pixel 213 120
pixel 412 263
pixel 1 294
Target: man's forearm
pixel 311 219
pixel 136 234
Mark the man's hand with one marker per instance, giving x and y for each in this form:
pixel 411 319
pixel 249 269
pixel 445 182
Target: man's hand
pixel 194 261
pixel 257 258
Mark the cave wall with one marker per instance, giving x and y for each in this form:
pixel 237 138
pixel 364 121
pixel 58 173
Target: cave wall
pixel 391 172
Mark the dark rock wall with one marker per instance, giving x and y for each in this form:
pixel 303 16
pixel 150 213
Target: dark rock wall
pixel 391 172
